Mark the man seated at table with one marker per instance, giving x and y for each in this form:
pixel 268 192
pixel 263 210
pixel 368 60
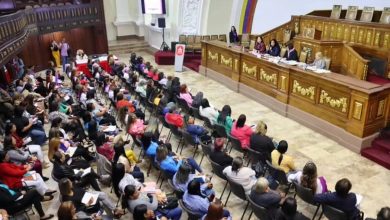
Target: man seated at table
pixel 291 53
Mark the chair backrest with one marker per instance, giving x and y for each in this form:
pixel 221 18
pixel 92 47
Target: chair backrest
pixel 222 37
pixel 206 37
pixel 260 212
pixel 195 112
pixel 136 141
pixel 304 193
pixel 191 215
pixel 165 123
pixel 198 38
pixel 333 213
pixel 175 131
pixel 327 62
pixel 283 51
pixel 303 57
pixel 188 139
pixel 206 149
pixel 207 122
pixel 252 45
pixel 214 37
pixel 217 170
pixel 221 131
pixel 237 189
pixel 179 194
pixel 182 38
pixel 278 174
pixel 255 156
pixel 190 39
pixel 236 144
pixel 245 37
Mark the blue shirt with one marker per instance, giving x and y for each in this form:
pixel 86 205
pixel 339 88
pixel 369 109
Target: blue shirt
pixel 169 164
pixel 152 149
pixel 195 131
pixel 9 190
pixel 347 204
pixel 197 204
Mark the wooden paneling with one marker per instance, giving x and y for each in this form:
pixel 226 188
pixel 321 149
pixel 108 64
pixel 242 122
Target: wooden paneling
pixel 361 108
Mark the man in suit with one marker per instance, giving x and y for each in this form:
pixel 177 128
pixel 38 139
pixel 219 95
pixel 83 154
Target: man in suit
pixel 291 54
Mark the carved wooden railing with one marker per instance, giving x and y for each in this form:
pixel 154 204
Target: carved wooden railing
pixel 17 27
pixel 278 33
pixel 353 64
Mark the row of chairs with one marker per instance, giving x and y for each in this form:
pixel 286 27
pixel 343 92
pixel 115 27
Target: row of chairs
pixel 193 42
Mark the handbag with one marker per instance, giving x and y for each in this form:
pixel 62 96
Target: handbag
pixel 172 202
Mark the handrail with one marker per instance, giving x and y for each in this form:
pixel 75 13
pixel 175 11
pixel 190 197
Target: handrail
pixel 17 27
pixel 353 64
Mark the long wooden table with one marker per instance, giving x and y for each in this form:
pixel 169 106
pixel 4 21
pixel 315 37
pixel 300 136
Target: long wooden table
pixel 349 110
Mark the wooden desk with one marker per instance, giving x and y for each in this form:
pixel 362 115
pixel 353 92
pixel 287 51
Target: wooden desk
pixel 358 107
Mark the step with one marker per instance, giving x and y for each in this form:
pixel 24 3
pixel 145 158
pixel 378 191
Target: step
pixel 382 143
pixel 377 155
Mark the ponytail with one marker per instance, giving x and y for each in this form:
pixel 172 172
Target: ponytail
pixel 280 159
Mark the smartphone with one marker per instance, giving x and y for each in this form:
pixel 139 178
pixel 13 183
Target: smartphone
pixel 99 213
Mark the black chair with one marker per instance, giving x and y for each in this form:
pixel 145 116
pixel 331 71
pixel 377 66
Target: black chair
pixel 217 170
pixel 239 191
pixel 307 195
pixel 207 124
pixel 278 175
pixel 189 140
pixel 206 150
pixel 220 130
pixel 164 175
pixel 179 194
pixel 166 125
pixel 260 211
pixel 183 105
pixel 195 113
pixel 235 144
pixel 255 157
pixel 333 213
pixel 177 133
pixel 191 215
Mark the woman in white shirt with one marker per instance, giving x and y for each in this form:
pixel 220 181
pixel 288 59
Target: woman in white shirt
pixel 208 111
pixel 244 176
pixel 308 178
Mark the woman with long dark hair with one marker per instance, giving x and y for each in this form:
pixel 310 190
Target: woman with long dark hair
pixel 130 167
pixel 206 110
pixel 280 160
pixel 224 118
pixel 274 48
pixel 233 36
pixel 242 132
pixel 308 178
pixel 121 179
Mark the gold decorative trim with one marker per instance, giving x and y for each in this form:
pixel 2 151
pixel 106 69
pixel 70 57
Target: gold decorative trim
pixel 213 57
pixel 252 71
pixel 357 110
pixel 236 65
pixel 333 102
pixel 283 83
pixel 381 107
pixel 298 89
pixel 270 78
pixel 203 51
pixel 226 62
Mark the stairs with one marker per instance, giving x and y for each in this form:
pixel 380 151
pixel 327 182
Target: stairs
pixel 127 46
pixel 379 152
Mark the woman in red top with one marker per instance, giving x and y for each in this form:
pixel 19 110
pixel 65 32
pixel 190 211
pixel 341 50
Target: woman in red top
pixel 10 129
pixel 135 126
pixel 104 147
pixel 17 176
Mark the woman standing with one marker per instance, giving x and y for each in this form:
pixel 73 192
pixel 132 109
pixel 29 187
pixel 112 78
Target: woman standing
pixel 55 52
pixel 233 36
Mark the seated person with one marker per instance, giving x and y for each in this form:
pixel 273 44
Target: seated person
pixel 67 210
pixel 308 178
pixel 61 170
pixel 80 55
pixel 224 118
pixel 17 176
pixel 383 214
pixel 218 155
pixel 121 102
pixel 184 176
pixel 274 48
pixel 194 200
pixel 280 160
pixel 288 211
pixel 135 126
pixel 121 179
pixel 197 132
pixel 101 115
pixel 174 118
pixel 260 45
pixel 171 164
pixel 241 131
pixel 215 211
pixel 141 88
pixel 142 212
pixel 244 176
pixel 291 54
pixel 27 127
pixel 185 95
pixel 319 61
pixel 263 196
pixel 134 196
pixel 104 146
pixel 260 142
pixel 75 194
pixel 342 199
pixel 55 113
pixel 14 202
pixel 130 166
pixel 205 110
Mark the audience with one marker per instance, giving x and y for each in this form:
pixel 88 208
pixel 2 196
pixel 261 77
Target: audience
pixel 220 156
pixel 224 118
pixel 241 131
pixel 183 177
pixel 260 142
pixel 207 111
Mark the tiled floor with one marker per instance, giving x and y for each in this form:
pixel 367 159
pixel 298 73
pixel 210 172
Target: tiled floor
pixel 333 161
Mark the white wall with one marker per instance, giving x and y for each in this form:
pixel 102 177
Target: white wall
pixel 218 19
pixel 110 15
pixel 272 13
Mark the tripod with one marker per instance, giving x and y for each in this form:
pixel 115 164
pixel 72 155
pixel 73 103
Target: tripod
pixel 164 46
